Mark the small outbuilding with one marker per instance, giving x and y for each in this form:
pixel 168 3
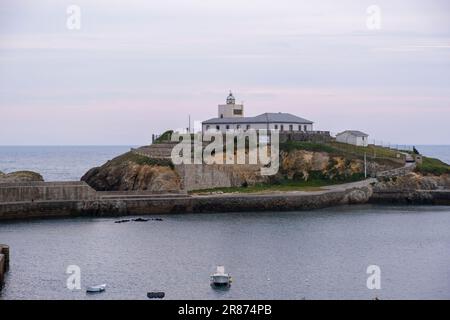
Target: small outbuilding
pixel 354 137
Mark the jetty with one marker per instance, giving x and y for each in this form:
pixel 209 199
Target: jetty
pixel 4 262
pixel 74 199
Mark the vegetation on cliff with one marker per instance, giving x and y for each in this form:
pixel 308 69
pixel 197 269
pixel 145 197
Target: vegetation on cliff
pixel 164 137
pixel 431 166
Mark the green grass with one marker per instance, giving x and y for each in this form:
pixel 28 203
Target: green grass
pixel 164 137
pixel 432 166
pixel 142 160
pixel 380 155
pixel 370 150
pixel 284 185
pixel 308 146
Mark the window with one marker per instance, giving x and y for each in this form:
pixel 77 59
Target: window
pixel 281 128
pixel 291 127
pixel 228 127
pixel 305 128
pixel 299 128
pixel 248 126
pixel 237 111
pixel 276 127
pixel 218 128
pixel 221 115
pixel 238 126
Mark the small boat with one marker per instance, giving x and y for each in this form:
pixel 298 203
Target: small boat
pixel 155 295
pixel 96 289
pixel 140 220
pixel 220 278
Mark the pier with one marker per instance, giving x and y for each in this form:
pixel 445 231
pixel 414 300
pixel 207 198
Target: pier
pixel 4 262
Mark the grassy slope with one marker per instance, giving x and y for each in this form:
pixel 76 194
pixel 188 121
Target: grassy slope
pixel 342 149
pixel 433 166
pixel 141 160
pixel 286 185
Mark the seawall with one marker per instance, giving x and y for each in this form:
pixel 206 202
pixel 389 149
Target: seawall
pixel 45 200
pixel 46 191
pixel 169 204
pixel 414 197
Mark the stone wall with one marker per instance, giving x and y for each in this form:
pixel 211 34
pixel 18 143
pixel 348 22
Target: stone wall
pixel 314 136
pixel 202 176
pixel 397 171
pixel 187 204
pixel 45 191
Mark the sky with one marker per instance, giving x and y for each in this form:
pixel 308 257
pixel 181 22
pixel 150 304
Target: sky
pixel 134 68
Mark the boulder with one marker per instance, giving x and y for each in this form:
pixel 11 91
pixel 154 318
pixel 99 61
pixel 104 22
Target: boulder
pixel 20 176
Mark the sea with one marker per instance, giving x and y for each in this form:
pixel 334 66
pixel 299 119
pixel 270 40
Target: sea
pixel 345 252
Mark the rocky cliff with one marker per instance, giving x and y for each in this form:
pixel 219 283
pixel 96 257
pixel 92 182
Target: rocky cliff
pixel 133 172
pixel 20 176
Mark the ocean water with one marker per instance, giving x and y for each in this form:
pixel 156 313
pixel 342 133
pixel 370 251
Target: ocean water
pixel 57 163
pixel 441 152
pixel 322 254
pixel 65 163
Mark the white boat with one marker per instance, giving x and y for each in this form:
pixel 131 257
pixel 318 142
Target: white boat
pixel 95 289
pixel 220 278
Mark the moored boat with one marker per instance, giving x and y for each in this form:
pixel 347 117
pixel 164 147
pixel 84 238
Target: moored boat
pixel 96 289
pixel 220 278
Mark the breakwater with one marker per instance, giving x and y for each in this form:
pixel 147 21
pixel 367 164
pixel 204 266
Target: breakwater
pixel 45 200
pixel 45 191
pixel 139 204
pixel 4 262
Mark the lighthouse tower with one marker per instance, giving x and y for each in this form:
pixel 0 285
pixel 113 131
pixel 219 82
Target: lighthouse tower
pixel 231 109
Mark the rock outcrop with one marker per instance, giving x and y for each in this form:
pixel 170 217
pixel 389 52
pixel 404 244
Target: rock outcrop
pixel 133 172
pixel 302 164
pixel 412 182
pixel 20 176
pixel 412 188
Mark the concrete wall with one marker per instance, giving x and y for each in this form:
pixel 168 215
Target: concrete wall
pixel 46 191
pixel 179 205
pixel 202 176
pixel 227 110
pixel 4 262
pixel 2 270
pixel 217 203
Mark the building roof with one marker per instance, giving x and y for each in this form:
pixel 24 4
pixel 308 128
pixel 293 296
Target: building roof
pixel 354 133
pixel 262 118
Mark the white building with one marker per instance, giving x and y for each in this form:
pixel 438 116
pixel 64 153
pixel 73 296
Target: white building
pixel 231 117
pixel 354 137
